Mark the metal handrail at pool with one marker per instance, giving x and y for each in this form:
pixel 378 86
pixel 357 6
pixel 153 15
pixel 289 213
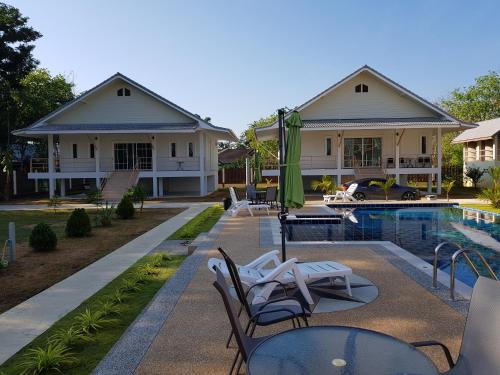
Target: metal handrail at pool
pixel 456 254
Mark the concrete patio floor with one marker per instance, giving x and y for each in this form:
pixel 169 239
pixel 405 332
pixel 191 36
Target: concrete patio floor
pixel 192 340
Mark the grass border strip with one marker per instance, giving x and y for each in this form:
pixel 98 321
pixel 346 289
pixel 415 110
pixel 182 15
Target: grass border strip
pixel 127 353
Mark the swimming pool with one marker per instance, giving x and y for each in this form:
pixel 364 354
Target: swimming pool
pixel 416 229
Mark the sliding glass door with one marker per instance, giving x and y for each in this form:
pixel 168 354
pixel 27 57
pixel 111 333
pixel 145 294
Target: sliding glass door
pixel 133 155
pixel 362 152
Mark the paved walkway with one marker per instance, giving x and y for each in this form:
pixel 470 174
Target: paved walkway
pixel 21 324
pixel 190 330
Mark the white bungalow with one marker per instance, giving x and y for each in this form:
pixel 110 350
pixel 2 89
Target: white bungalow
pixel 119 132
pixel 367 125
pixel 480 147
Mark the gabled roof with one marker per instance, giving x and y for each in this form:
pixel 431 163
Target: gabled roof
pixel 486 130
pixel 231 155
pixel 42 123
pixel 446 117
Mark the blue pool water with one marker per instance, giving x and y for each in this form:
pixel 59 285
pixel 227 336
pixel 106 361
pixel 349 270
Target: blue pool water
pixel 417 230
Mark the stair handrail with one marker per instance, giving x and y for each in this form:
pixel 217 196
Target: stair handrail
pixel 465 252
pixel 435 267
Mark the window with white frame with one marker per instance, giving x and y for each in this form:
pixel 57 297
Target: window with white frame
pixel 75 151
pixel 123 92
pixel 190 149
pixel 173 149
pixel 361 88
pixel 328 146
pixel 423 145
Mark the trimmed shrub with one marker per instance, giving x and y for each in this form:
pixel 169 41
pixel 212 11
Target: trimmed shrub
pixel 43 238
pixel 78 224
pixel 125 209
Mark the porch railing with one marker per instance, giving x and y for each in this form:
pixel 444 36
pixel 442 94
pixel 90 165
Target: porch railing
pixel 411 161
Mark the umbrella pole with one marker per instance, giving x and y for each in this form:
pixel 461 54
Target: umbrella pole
pixel 282 215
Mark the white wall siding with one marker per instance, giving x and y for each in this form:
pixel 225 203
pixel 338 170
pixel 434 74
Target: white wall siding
pixel 105 107
pixel 83 163
pixel 381 101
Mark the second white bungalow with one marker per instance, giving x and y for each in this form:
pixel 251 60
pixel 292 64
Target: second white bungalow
pixel 367 125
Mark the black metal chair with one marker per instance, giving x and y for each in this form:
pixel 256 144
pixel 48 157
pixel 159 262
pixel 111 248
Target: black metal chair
pixel 245 343
pixel 272 196
pixel 480 350
pixel 251 193
pixel 275 310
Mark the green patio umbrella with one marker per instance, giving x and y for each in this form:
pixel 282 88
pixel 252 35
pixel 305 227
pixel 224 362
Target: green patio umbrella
pixel 258 168
pixel 294 189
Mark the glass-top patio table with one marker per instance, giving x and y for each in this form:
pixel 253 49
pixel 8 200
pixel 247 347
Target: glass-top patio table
pixel 337 350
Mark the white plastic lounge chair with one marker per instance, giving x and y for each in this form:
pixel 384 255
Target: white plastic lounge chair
pixel 286 273
pixel 346 195
pixel 238 205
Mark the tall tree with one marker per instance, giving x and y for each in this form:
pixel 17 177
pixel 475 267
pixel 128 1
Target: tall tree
pixel 478 102
pixel 268 149
pixel 38 94
pixel 16 61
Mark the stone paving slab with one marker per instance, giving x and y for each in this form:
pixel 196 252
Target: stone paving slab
pixel 192 340
pixel 21 324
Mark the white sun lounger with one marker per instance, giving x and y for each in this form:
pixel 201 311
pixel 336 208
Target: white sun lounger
pixel 238 205
pixel 286 273
pixel 345 195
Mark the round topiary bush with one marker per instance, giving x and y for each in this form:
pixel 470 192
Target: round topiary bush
pixel 78 224
pixel 43 238
pixel 125 209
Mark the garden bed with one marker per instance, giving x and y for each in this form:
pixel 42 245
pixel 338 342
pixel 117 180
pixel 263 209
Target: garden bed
pixel 89 353
pixel 35 271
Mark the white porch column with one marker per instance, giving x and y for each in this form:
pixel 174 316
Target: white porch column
pixel 70 184
pixel 398 138
pixel 62 183
pixel 97 155
pixel 36 185
pixel 50 144
pixel 429 183
pixel 439 161
pixel 154 155
pixel 203 178
pixel 339 158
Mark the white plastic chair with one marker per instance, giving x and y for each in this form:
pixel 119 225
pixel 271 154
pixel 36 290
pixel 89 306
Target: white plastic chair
pixel 238 205
pixel 286 273
pixel 346 195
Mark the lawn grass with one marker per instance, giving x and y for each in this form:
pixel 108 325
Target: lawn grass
pixel 483 207
pixel 35 271
pixel 202 222
pixel 90 354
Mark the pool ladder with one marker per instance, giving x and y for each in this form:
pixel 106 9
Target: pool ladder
pixel 459 252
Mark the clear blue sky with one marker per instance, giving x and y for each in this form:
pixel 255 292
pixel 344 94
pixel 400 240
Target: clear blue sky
pixel 239 60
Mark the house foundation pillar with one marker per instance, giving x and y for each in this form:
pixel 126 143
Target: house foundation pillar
pixel 160 186
pixel 155 187
pixel 62 183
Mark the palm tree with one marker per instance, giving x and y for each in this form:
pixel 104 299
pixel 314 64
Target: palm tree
pixel 447 186
pixel 327 185
pixel 385 185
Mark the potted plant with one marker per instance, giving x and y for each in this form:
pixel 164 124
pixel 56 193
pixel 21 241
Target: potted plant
pixel 327 185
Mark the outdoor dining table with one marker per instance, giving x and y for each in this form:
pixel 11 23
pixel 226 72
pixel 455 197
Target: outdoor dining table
pixel 337 350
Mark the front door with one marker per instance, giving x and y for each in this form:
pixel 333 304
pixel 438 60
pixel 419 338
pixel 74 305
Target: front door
pixel 132 155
